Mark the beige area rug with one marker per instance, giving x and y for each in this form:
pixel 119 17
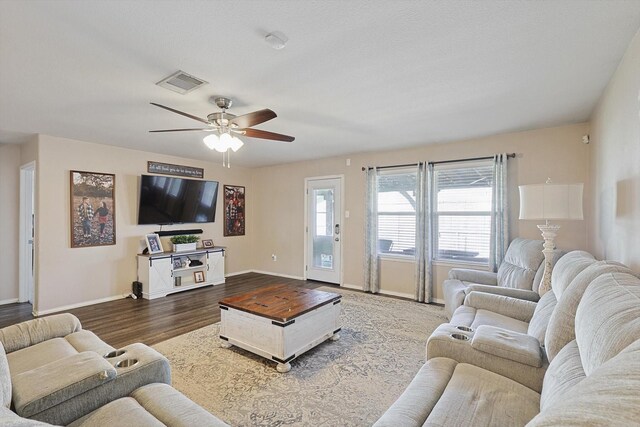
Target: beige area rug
pixel 349 382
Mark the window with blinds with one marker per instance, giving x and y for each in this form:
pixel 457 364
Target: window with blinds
pixel 397 211
pixel 462 219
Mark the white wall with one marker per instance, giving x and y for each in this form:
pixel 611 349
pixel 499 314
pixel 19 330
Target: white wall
pixel 68 276
pixel 615 165
pixel 9 213
pixel 279 199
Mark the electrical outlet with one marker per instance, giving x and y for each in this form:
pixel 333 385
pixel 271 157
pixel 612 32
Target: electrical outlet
pixel 274 257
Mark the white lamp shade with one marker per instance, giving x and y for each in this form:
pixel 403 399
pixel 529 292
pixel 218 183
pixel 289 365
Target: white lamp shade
pixel 551 201
pixel 211 141
pixel 236 144
pixel 224 144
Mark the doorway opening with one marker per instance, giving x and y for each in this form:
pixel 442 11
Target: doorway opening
pixel 27 253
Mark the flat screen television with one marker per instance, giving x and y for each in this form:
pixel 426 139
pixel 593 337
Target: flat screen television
pixel 167 200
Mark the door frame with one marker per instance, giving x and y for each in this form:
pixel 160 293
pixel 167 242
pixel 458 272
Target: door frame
pixel 24 220
pixel 340 215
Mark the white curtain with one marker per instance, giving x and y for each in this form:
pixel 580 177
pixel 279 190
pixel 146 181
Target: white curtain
pixel 499 212
pixel 371 276
pixel 424 233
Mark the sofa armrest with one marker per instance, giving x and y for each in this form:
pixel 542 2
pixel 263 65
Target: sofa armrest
pixel 510 307
pixel 507 292
pixel 31 332
pixel 49 385
pixel 521 348
pixel 474 276
pixel 416 403
pixel 151 367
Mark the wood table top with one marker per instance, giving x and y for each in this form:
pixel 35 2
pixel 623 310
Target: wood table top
pixel 280 302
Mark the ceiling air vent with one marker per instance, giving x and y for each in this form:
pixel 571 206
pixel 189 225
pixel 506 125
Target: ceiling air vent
pixel 181 82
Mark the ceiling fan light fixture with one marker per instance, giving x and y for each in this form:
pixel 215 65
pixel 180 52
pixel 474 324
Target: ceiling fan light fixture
pixel 236 143
pixel 211 141
pixel 224 143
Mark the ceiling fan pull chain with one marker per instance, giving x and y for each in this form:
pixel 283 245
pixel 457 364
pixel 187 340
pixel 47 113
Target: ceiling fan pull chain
pixel 223 164
pixel 229 159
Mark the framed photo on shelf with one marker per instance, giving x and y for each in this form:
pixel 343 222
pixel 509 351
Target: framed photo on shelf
pixel 93 209
pixel 177 262
pixel 198 276
pixel 207 243
pixel 153 243
pixel 234 210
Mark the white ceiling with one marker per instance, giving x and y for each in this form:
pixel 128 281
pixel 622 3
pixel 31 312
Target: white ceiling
pixel 355 76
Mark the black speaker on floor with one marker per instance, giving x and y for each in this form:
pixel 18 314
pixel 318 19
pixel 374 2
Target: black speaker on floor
pixel 136 288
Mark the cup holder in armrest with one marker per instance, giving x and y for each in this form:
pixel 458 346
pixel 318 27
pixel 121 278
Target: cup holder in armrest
pixel 464 328
pixel 115 353
pixel 126 363
pixel 461 337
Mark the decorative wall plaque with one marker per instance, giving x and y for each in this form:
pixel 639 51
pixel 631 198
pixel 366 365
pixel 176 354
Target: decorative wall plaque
pixel 176 170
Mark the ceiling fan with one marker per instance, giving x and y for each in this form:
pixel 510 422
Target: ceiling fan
pixel 224 121
pixel 225 126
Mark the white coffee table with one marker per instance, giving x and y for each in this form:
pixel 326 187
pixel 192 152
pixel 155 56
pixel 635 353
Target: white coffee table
pixel 280 322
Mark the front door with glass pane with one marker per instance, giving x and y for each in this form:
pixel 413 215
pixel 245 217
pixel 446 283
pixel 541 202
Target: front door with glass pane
pixel 324 234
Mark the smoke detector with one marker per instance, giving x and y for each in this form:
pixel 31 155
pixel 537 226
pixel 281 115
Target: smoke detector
pixel 276 40
pixel 181 82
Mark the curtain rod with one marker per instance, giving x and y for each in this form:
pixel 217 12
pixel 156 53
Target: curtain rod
pixel 510 155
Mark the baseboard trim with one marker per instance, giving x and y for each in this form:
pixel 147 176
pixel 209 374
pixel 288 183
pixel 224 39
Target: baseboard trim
pixel 8 301
pixel 286 276
pixel 78 305
pixel 237 273
pixel 396 294
pixel 437 300
pixel 349 286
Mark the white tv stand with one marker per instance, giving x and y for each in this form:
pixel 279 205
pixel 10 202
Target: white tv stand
pixel 159 277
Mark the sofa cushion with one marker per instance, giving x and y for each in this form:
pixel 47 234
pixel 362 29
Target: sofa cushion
pixel 563 373
pixel 608 318
pixel 416 403
pixel 507 344
pixel 567 268
pixel 608 397
pixel 8 418
pixel 485 317
pixel 124 411
pixel 88 341
pixel 49 385
pixel 31 332
pixel 477 397
pixel 561 329
pixel 173 408
pixel 40 354
pixel 537 327
pixel 5 379
pixel 520 264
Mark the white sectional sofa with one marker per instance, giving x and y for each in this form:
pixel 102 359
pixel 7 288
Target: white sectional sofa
pixel 587 359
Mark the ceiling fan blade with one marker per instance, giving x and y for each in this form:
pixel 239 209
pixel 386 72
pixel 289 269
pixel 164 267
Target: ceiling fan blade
pixel 181 113
pixel 263 134
pixel 181 130
pixel 255 118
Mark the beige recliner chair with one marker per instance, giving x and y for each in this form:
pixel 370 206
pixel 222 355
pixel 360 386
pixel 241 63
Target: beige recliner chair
pixel 55 372
pixel 518 276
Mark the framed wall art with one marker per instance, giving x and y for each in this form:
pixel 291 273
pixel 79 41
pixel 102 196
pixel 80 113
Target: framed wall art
pixel 234 219
pixel 93 209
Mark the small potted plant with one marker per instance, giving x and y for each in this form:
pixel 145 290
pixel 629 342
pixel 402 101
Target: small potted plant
pixel 184 243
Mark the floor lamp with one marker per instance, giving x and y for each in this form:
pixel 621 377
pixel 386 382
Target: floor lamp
pixel 550 202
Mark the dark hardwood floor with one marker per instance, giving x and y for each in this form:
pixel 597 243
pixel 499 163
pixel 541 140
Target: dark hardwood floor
pixel 126 321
